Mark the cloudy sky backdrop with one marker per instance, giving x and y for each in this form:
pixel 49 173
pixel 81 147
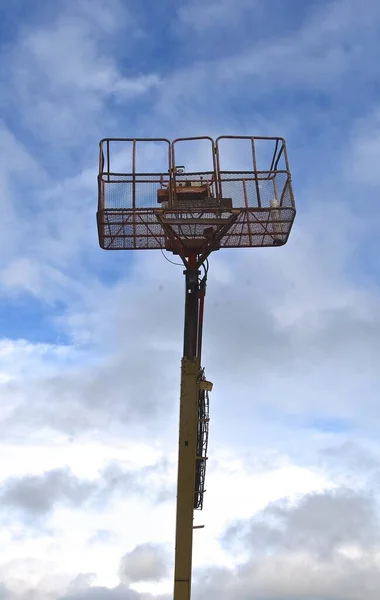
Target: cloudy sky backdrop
pixel 91 341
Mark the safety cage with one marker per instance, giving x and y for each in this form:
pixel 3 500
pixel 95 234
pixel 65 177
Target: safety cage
pixel 159 194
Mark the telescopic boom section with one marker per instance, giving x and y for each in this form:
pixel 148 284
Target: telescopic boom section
pixel 189 463
pixel 190 338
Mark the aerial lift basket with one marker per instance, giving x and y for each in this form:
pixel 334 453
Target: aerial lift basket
pixel 243 198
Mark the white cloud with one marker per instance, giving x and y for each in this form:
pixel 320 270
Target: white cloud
pixel 145 563
pixel 62 69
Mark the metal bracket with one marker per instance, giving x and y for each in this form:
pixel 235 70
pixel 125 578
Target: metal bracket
pixel 205 385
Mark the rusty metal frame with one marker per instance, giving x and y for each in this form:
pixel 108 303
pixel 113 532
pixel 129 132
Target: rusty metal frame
pixel 192 139
pixel 271 173
pixel 210 244
pixel 253 231
pixel 106 142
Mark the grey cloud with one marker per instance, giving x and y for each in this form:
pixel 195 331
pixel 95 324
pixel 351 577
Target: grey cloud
pixel 320 523
pixel 103 593
pixel 120 592
pixel 352 455
pixel 356 462
pixel 151 477
pixel 323 548
pixel 123 393
pixel 79 589
pixel 292 578
pixel 147 562
pixel 81 583
pixel 36 496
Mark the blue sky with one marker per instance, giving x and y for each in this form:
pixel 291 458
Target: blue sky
pixel 90 341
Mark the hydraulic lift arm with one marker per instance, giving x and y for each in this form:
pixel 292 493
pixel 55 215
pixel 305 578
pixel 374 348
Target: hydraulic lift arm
pixel 191 430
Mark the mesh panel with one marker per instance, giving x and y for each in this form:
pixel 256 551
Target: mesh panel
pixel 123 229
pixel 132 191
pixel 255 190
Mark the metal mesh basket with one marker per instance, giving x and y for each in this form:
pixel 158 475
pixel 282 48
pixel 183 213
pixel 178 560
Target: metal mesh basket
pixel 145 209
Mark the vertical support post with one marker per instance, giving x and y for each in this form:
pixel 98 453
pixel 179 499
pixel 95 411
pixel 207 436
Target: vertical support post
pixel 173 173
pixel 188 422
pixel 254 161
pixel 108 160
pixel 219 185
pixel 134 190
pixel 246 204
pixel 101 195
